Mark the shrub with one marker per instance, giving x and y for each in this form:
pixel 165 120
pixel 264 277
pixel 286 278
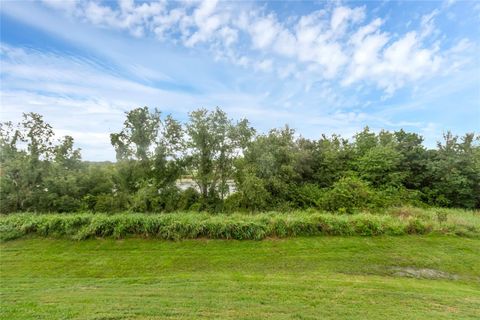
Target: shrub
pixel 233 202
pixel 188 198
pixel 348 195
pixel 66 204
pixel 89 201
pixel 168 199
pixel 253 194
pixel 417 226
pixel 397 196
pixel 111 203
pixel 308 196
pixel 146 199
pixel 104 203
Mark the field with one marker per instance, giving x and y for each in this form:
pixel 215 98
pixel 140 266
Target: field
pixel 407 277
pixel 404 264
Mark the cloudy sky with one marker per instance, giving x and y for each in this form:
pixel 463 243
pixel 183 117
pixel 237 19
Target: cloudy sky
pixel 322 67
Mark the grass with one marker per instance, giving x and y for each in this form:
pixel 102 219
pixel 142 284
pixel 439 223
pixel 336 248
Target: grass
pixel 402 277
pixel 410 263
pixel 175 226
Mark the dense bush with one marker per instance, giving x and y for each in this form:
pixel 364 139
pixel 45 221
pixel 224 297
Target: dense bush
pixel 112 202
pixel 273 171
pixel 188 199
pixel 309 196
pixel 348 195
pixel 66 203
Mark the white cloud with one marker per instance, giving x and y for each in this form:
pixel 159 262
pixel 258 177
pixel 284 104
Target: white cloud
pixel 287 71
pixel 137 19
pixel 206 22
pixel 285 43
pixel 367 47
pixel 264 65
pixel 263 32
pixel 341 16
pixel 335 43
pixel 390 64
pixel 405 60
pixel 427 24
pixel 69 6
pixel 301 62
pixel 448 3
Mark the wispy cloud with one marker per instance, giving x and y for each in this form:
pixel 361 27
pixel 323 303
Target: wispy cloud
pixel 337 43
pixel 331 68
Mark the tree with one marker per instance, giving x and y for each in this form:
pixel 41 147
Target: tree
pixel 380 166
pixel 28 173
pixel 213 143
pixel 413 163
pixel 274 158
pixel 276 170
pixel 453 172
pixel 331 159
pixel 138 136
pixel 147 148
pixel 65 155
pixel 13 165
pixel 364 141
pixel 38 136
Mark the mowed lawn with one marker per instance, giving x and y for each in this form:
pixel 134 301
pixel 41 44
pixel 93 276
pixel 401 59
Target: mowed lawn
pixel 407 277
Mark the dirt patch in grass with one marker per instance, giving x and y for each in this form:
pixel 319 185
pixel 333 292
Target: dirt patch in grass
pixel 422 273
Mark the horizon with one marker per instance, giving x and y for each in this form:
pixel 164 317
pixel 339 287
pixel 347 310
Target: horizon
pixel 320 67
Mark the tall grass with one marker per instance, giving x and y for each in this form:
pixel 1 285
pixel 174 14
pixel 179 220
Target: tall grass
pixel 175 226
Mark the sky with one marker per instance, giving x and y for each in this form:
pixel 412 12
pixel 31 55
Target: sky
pixel 322 67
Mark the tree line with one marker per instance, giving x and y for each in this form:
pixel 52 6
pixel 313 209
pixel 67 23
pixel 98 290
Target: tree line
pixel 278 170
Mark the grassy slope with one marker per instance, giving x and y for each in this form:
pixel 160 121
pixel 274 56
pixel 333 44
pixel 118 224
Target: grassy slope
pixel 299 278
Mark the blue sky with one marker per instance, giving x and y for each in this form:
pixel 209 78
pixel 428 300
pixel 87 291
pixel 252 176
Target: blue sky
pixel 322 67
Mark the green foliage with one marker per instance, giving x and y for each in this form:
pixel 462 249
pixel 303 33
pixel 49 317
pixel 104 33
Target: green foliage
pixel 66 203
pixel 454 174
pixel 252 195
pixel 398 196
pixel 329 159
pixel 40 177
pixel 169 199
pixel 348 195
pixel 146 199
pixel 138 135
pixel 188 199
pixel 380 166
pixel 112 202
pixel 212 144
pixel 176 226
pixel 272 171
pixel 309 196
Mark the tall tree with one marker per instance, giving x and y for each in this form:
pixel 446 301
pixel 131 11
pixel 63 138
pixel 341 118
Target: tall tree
pixel 213 143
pixel 274 158
pixel 453 172
pixel 147 148
pixel 66 155
pixel 413 163
pixel 138 136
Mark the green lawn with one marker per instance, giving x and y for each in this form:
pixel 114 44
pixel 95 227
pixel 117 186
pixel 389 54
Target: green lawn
pixel 405 277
